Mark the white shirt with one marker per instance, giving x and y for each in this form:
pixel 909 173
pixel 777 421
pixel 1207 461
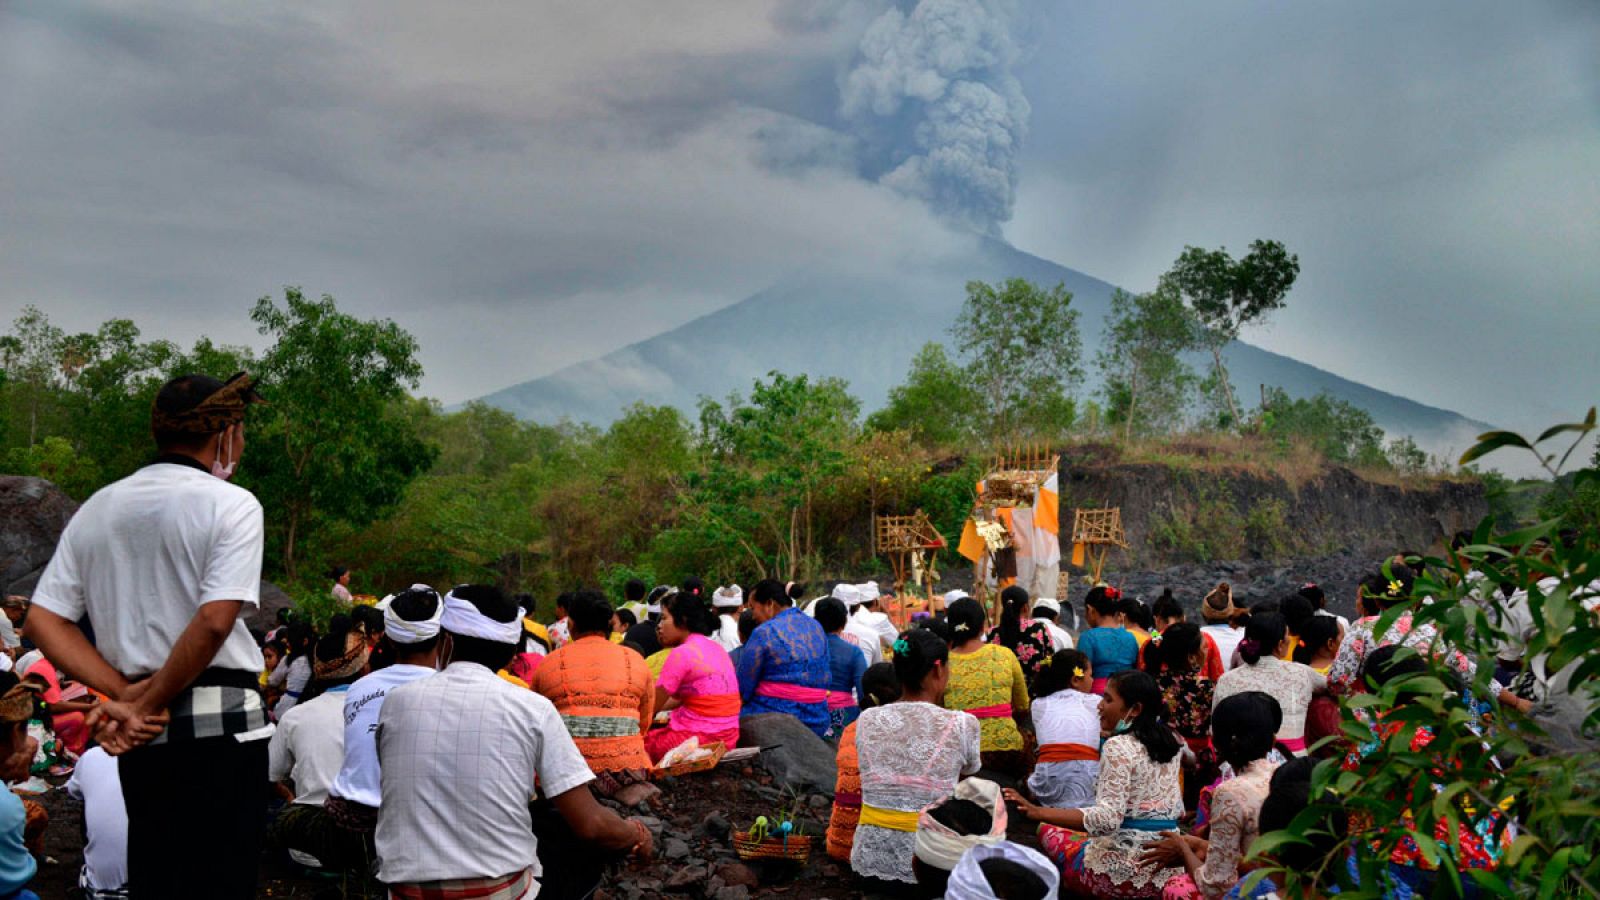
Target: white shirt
pixel 358 779
pixel 1068 717
pixel 866 639
pixel 145 553
pixel 879 623
pixel 1060 638
pixel 460 752
pixel 97 782
pixel 1227 638
pixel 727 633
pixel 308 747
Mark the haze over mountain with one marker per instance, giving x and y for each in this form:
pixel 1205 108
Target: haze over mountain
pixel 865 328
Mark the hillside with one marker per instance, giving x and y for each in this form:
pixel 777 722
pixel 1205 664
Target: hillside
pixel 865 329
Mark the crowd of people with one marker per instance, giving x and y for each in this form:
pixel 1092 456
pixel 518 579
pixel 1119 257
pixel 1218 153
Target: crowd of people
pixel 450 745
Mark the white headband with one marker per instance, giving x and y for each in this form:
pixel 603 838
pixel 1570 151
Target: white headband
pixel 461 617
pixel 848 593
pixel 728 597
pixel 405 631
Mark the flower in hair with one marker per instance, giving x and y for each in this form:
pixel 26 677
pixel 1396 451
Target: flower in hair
pixel 901 646
pixel 1250 645
pixel 1077 672
pixel 962 627
pixel 1395 588
pixel 1112 593
pixel 1156 638
pixel 1046 661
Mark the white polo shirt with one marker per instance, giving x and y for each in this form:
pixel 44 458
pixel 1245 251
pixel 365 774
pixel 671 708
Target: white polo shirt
pixel 358 779
pixel 460 753
pixel 142 556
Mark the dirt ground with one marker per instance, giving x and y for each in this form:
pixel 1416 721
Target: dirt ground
pixel 694 858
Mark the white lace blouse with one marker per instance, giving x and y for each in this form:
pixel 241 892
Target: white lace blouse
pixel 911 755
pixel 1289 683
pixel 1132 786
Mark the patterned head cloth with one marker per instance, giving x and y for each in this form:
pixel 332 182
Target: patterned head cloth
pixel 17 703
pixel 346 664
pixel 223 409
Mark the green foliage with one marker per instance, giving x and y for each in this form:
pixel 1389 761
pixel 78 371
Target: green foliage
pixel 1226 295
pixel 314 604
pixel 334 444
pixel 614 578
pixel 55 460
pixel 947 498
pixel 1406 457
pixel 1206 526
pixel 1538 765
pixel 937 403
pixel 1145 382
pixel 1344 433
pixel 1023 354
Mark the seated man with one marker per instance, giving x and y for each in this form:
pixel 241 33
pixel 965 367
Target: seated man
pixel 461 754
pixel 784 667
pixel 307 748
pixel 604 692
pixel 97 783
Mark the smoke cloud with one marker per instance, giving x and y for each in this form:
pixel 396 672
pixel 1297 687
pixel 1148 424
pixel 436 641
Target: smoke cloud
pixel 941 114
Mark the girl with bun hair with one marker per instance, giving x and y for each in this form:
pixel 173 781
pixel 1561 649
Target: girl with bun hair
pixel 1111 648
pixel 987 681
pixel 1260 668
pixel 911 754
pixel 1026 637
pixel 1100 848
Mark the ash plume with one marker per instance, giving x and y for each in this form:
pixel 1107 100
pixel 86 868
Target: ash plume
pixel 933 96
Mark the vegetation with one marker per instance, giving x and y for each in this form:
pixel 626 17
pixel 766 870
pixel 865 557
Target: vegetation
pixel 1537 768
pixel 782 482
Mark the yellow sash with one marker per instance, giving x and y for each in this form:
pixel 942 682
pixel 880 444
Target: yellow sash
pixel 892 819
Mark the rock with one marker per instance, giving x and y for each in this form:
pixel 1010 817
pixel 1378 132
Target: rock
pixel 798 758
pixel 735 892
pixel 739 874
pixel 33 513
pixel 685 877
pixel 674 849
pixel 716 826
pixel 818 801
pixel 265 617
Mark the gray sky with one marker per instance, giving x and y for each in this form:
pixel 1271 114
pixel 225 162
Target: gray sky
pixel 529 185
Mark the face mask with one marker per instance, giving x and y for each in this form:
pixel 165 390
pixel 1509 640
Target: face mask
pixel 1122 727
pixel 218 470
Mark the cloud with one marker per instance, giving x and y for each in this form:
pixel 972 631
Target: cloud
pixel 933 92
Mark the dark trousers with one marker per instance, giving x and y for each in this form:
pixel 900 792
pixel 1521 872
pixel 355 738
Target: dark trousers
pixel 195 820
pixel 572 868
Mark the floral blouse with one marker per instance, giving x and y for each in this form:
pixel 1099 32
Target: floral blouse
pixel 1289 683
pixel 1188 698
pixel 989 677
pixel 1034 647
pixel 1235 811
pixel 1345 675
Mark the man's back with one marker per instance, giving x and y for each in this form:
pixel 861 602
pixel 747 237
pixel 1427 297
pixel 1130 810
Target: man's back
pixel 460 753
pixel 144 553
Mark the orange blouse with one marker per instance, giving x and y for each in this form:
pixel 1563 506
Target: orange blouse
pixel 846 798
pixel 606 696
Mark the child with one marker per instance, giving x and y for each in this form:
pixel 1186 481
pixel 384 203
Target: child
pixel 1110 647
pixel 1067 719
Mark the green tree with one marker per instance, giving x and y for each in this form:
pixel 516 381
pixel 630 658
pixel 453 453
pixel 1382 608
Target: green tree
pixel 1226 295
pixel 1144 379
pixel 937 403
pixel 1022 353
pixel 1343 432
pixel 31 355
pixel 335 443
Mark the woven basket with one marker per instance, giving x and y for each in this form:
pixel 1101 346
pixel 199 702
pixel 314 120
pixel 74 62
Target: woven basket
pixel 700 765
pixel 796 849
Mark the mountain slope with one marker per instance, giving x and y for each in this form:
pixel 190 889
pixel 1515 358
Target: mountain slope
pixel 866 329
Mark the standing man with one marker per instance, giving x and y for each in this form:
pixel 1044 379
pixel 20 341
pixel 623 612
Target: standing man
pixel 163 562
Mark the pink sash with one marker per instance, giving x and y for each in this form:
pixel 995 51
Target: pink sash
pixel 1298 744
pixel 795 693
pixel 997 711
pixel 841 699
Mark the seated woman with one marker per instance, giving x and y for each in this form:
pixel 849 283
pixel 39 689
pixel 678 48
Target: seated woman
pixel 697 682
pixel 1067 719
pixel 1319 644
pixel 1287 796
pixel 1176 658
pixel 987 682
pixel 1110 647
pixel 66 716
pixel 1026 637
pixel 878 686
pixel 912 753
pixel 1099 849
pixel 17 865
pixel 1261 669
pixel 1242 730
pixel 784 665
pixel 604 693
pixel 846 664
